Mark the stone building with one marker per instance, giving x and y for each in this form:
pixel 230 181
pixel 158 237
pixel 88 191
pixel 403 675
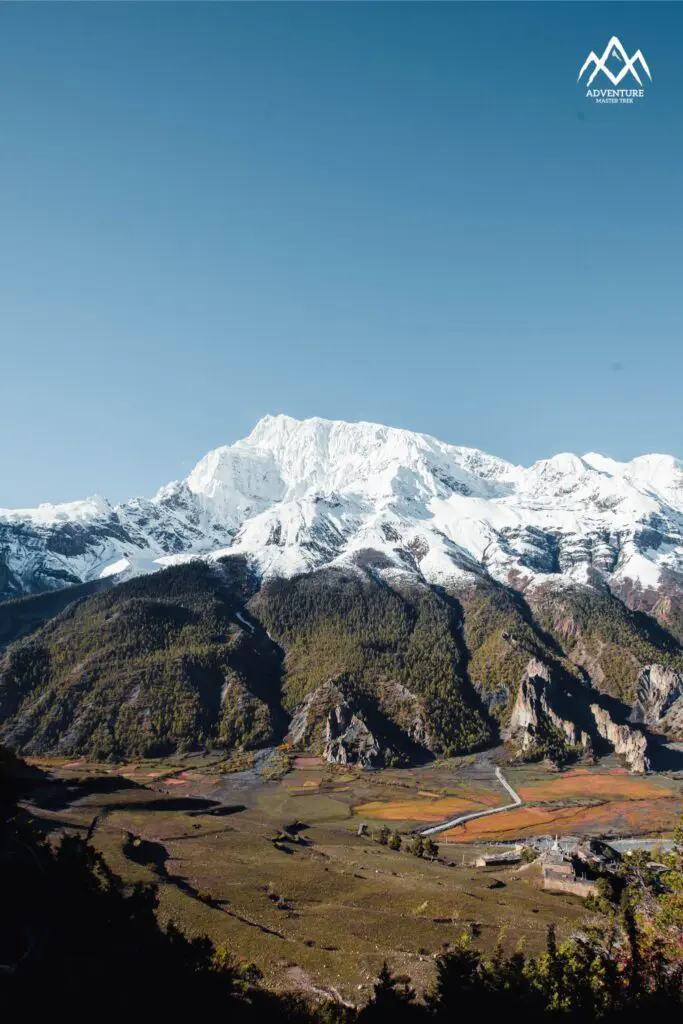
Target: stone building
pixel 559 875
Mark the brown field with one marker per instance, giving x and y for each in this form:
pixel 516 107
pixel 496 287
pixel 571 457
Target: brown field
pixel 325 911
pixel 610 818
pixel 418 810
pixel 581 782
pixel 612 788
pixel 428 805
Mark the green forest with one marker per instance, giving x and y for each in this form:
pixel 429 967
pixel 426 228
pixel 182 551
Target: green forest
pixel 202 656
pixel 382 640
pixel 156 665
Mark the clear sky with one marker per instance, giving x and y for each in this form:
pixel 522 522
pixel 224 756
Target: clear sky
pixel 406 213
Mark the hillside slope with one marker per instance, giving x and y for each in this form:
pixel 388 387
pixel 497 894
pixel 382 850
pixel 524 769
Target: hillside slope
pixel 180 660
pixel 360 663
pixel 158 664
pixel 395 651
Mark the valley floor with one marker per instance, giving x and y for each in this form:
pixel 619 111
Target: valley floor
pixel 323 910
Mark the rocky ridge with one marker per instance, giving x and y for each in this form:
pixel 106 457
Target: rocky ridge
pixel 549 714
pixel 295 496
pixel 659 698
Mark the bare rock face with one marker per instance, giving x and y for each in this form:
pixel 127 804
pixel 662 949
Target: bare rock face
pixel 631 744
pixel 495 699
pixel 348 739
pixel 658 689
pixel 672 723
pixel 327 719
pixel 536 712
pixel 307 715
pixel 547 713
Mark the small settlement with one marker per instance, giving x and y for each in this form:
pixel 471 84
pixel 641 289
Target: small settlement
pixel 559 872
pixel 571 867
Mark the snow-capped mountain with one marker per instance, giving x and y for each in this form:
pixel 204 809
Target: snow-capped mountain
pixel 297 495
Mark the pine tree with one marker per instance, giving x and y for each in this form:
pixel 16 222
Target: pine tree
pixel 392 1000
pixel 417 847
pixel 431 850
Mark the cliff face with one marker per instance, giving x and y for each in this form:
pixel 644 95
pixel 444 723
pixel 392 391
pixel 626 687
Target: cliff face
pixel 327 721
pixel 540 710
pixel 631 744
pixel 659 699
pixel 549 715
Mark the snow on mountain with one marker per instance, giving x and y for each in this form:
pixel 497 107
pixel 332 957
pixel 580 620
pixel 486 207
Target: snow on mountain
pixel 72 511
pixel 296 495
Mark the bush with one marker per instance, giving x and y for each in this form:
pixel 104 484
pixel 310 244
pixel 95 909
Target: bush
pixel 417 847
pixel 383 836
pixel 431 850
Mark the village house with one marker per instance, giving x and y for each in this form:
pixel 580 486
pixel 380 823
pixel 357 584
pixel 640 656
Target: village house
pixel 559 875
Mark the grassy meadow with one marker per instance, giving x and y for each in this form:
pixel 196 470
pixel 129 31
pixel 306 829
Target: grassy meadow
pixel 323 911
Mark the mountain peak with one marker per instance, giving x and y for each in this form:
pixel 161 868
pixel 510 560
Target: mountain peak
pixel 297 494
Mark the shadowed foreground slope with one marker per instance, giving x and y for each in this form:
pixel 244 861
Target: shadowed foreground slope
pixel 72 934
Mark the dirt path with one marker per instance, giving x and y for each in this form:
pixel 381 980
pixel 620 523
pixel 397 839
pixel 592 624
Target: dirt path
pixel 452 822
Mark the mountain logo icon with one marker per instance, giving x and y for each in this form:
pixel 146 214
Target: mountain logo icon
pixel 615 50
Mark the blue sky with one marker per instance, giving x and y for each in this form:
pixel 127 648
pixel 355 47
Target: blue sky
pixel 403 213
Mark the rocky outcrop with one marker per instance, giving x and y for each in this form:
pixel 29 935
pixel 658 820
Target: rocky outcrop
pixel 327 720
pixel 347 739
pixel 351 727
pixel 540 711
pixel 630 743
pixel 551 713
pixel 495 700
pixel 658 690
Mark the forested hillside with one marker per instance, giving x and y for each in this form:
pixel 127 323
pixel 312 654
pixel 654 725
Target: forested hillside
pixel 604 637
pixel 389 644
pixel 144 669
pixel 205 656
